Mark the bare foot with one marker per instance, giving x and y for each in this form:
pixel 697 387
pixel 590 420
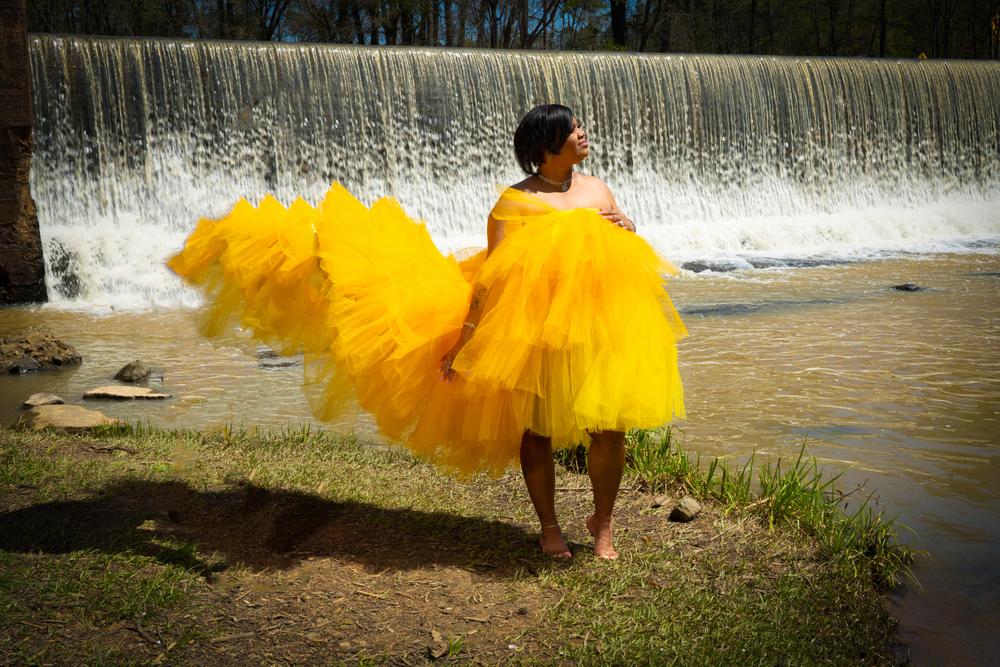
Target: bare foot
pixel 603 548
pixel 553 544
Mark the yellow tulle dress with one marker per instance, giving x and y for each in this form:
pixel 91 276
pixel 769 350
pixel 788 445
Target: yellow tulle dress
pixel 577 333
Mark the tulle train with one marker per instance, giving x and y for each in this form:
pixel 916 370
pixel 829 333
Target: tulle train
pixel 578 333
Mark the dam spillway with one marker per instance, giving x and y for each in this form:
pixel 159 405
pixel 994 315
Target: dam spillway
pixel 721 160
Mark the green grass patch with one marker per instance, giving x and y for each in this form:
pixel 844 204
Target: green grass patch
pixel 98 587
pixel 239 543
pixel 796 494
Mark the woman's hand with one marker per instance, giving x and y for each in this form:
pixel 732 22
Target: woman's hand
pixel 471 321
pixel 617 218
pixel 446 371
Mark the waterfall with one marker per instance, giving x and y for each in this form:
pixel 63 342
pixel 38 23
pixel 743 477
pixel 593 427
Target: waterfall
pixel 746 160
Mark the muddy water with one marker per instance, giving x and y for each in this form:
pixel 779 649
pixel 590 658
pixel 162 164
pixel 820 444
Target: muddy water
pixel 902 389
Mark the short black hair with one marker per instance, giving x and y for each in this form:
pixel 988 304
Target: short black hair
pixel 544 128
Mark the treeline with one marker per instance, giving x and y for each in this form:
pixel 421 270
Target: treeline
pixel 886 28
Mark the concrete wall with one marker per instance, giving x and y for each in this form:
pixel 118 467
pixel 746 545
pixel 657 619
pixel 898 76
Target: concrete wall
pixel 22 269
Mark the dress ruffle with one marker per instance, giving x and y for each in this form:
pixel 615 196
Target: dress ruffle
pixel 577 333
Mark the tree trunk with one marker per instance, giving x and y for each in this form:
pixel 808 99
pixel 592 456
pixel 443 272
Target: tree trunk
pixel 770 27
pixel 430 22
pixel 522 24
pixel 881 29
pixel 449 24
pixel 406 18
pixel 994 32
pixel 646 27
pixel 22 268
pixel 753 21
pixel 619 27
pixel 494 24
pixel 665 30
pixel 972 28
pixel 220 8
pixel 832 6
pixel 359 24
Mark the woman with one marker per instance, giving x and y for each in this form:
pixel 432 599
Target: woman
pixel 559 332
pixel 549 142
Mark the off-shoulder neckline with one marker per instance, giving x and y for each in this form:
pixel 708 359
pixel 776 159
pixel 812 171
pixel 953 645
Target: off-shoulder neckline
pixel 507 189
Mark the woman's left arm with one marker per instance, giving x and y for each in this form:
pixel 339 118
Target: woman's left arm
pixel 612 213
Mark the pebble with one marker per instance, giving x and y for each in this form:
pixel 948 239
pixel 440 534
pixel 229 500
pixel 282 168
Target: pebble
pixel 686 510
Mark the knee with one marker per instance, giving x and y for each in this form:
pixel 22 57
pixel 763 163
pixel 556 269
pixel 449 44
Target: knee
pixel 612 440
pixel 531 441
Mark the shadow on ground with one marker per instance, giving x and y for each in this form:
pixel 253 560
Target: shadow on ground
pixel 262 529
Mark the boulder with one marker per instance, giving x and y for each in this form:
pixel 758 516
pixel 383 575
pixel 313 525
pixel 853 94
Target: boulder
pixel 909 287
pixel 68 418
pixel 135 371
pixel 36 400
pixel 35 351
pixel 121 393
pixel 686 510
pixel 23 364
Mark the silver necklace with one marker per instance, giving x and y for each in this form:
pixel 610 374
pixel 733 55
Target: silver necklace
pixel 562 185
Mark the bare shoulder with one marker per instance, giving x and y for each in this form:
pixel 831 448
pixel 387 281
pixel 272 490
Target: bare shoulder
pixel 524 186
pixel 597 189
pixel 508 206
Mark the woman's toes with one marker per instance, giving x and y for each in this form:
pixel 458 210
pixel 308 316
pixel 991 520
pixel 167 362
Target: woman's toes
pixel 606 554
pixel 553 544
pixel 602 540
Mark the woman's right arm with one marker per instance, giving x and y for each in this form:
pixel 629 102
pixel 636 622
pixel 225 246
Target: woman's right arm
pixel 494 235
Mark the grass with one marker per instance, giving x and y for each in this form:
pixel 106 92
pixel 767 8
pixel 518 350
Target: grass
pixel 133 545
pixel 796 495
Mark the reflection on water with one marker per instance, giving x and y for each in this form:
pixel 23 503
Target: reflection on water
pixel 902 387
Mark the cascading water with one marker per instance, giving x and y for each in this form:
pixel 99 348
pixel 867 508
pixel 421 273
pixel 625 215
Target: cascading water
pixel 720 159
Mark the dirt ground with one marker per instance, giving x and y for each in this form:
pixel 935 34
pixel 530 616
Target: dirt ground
pixel 282 576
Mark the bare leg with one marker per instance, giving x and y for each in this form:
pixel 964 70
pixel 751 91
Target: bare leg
pixel 540 478
pixel 605 462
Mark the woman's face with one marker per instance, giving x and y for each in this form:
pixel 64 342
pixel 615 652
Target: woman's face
pixel 576 147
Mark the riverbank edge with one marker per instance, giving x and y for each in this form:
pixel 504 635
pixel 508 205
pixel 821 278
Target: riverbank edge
pixel 791 539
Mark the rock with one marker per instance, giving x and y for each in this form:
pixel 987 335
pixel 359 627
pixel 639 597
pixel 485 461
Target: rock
pixel 686 510
pixel 660 501
pixel 437 650
pixel 35 351
pixel 68 418
pixel 280 362
pixel 133 372
pixel 908 287
pixel 24 364
pixel 36 400
pixel 118 392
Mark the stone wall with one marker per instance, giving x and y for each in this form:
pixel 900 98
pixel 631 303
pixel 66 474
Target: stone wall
pixel 22 269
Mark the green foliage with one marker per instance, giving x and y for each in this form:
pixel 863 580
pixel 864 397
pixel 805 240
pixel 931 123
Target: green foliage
pixel 890 28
